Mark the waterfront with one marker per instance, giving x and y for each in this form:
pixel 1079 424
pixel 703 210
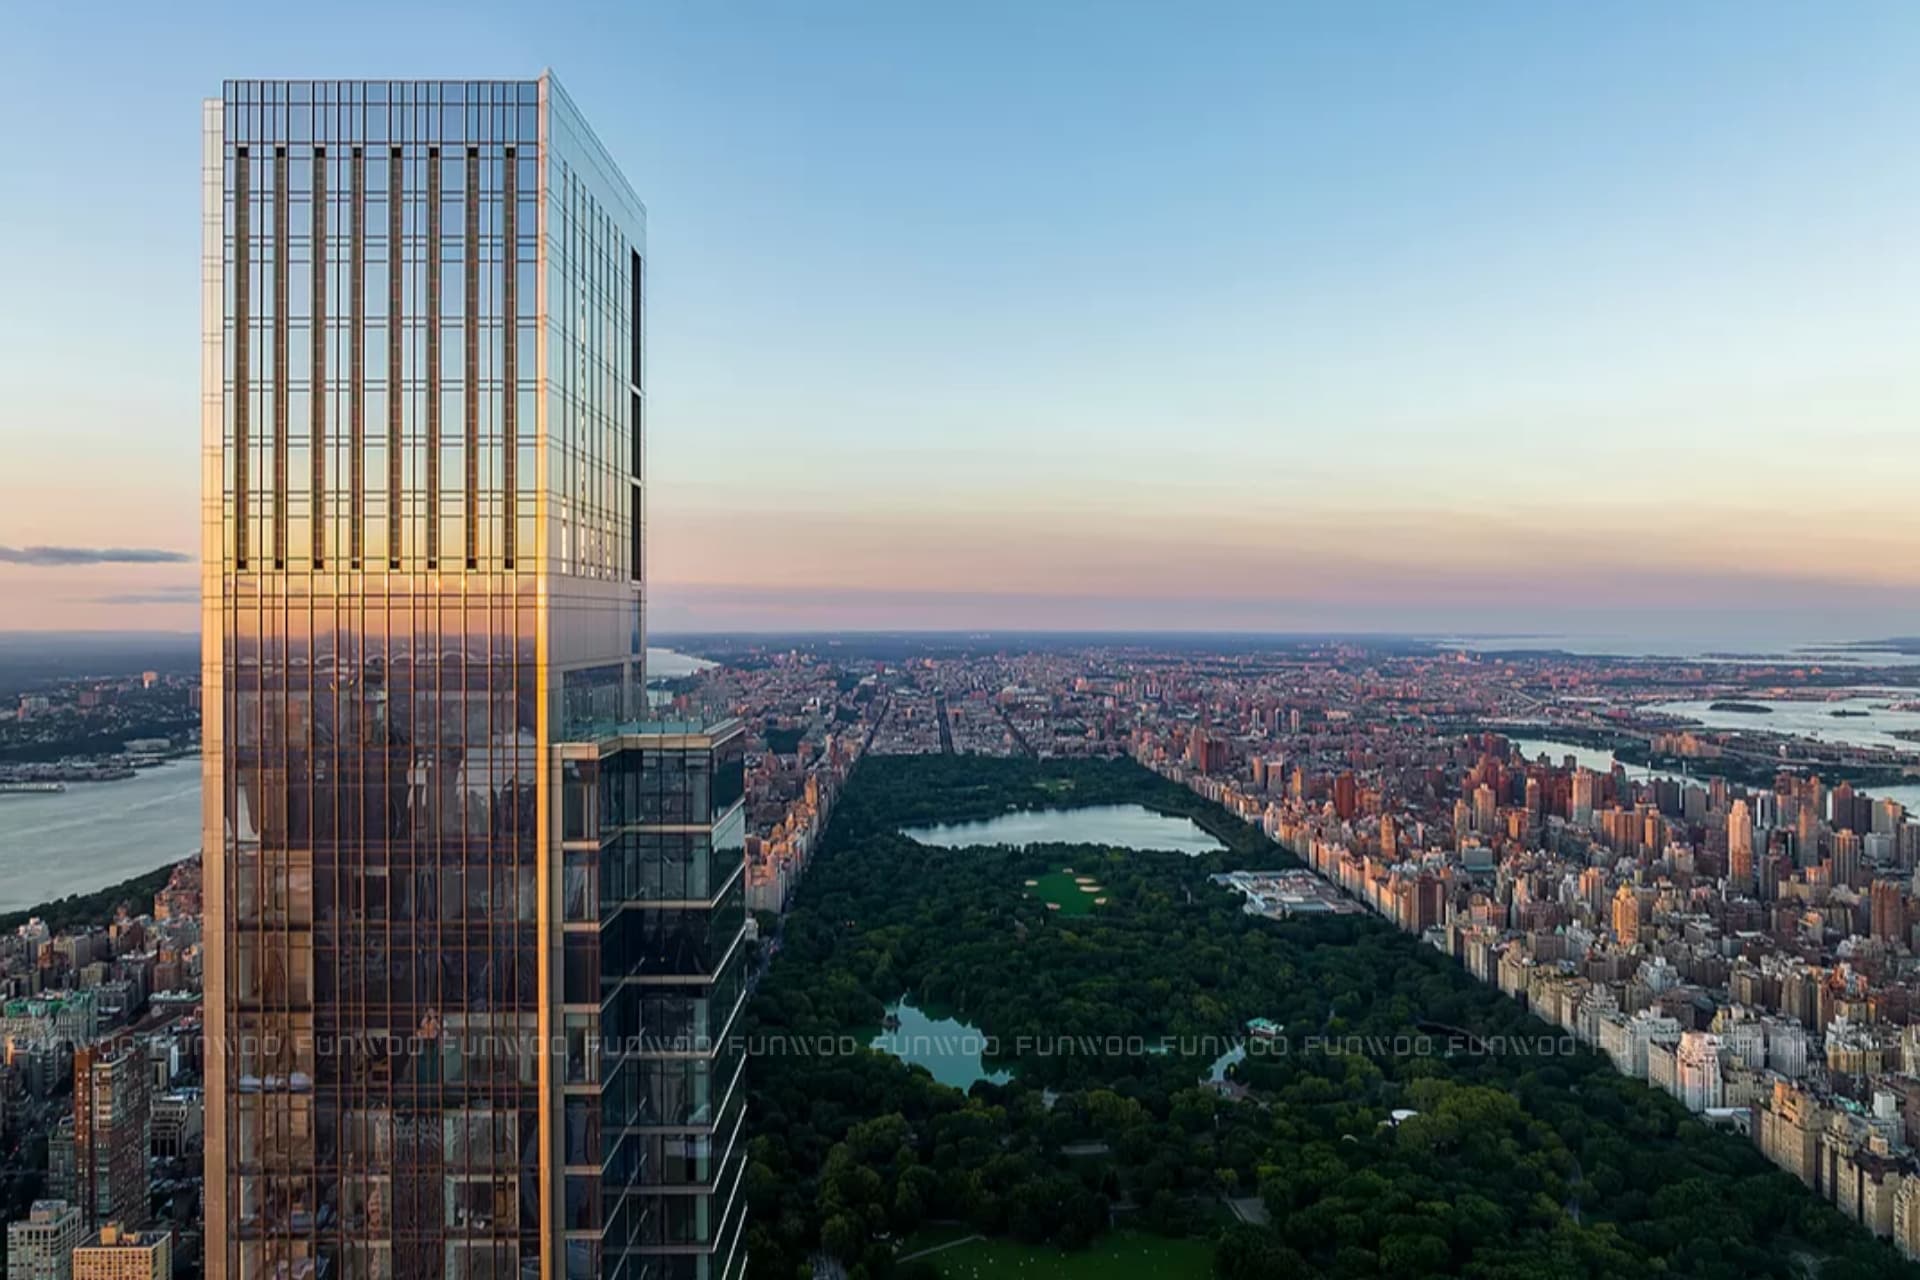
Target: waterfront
pixel 1117 826
pixel 96 834
pixel 1794 652
pixel 1598 759
pixel 1868 722
pixel 1907 793
pixel 669 664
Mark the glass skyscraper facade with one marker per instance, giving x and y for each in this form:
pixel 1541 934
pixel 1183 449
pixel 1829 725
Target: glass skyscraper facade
pixel 474 922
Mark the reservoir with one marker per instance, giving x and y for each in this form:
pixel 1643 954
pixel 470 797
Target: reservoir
pixel 1117 826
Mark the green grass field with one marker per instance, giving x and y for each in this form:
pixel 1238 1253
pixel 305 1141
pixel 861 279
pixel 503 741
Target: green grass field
pixel 1058 886
pixel 1126 1255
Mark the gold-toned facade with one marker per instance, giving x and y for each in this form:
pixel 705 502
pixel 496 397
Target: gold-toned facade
pixel 423 410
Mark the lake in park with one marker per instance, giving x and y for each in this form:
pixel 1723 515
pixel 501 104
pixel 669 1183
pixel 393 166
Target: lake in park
pixel 1118 826
pixel 947 1047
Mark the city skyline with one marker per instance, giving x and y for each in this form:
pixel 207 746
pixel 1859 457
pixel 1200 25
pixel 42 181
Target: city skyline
pixel 1394 321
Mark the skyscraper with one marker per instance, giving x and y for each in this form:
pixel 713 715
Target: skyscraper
pixel 1740 847
pixel 475 925
pixel 1583 796
pixel 1346 795
pixel 1484 809
pixel 1888 911
pixel 1806 839
pixel 1626 915
pixel 112 1130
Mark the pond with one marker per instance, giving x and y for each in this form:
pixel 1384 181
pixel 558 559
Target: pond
pixel 947 1047
pixel 1217 1073
pixel 1119 826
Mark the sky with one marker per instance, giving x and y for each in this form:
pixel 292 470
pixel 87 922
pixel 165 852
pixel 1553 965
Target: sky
pixel 1395 317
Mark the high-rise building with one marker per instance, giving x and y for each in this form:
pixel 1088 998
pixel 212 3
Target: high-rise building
pixel 1887 911
pixel 112 1131
pixel 1583 796
pixel 40 1246
pixel 1698 1081
pixel 1593 889
pixel 119 1254
pixel 1806 837
pixel 1840 807
pixel 1740 869
pixel 1346 795
pixel 1626 915
pixel 474 924
pixel 1205 753
pixel 1847 856
pixel 1484 809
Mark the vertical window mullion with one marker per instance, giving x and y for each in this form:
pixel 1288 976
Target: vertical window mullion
pixel 510 359
pixel 317 386
pixel 471 400
pixel 242 355
pixel 282 253
pixel 356 361
pixel 396 331
pixel 433 358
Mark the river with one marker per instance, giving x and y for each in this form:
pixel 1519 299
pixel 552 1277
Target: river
pixel 1869 722
pixel 96 834
pixel 1601 761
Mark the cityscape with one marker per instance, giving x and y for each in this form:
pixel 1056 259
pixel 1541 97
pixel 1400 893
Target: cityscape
pixel 1724 911
pixel 733 684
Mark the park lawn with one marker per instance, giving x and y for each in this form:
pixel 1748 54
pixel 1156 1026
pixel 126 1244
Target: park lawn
pixel 1059 886
pixel 1125 1255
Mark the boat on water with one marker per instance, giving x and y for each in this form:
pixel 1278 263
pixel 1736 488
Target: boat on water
pixel 31 788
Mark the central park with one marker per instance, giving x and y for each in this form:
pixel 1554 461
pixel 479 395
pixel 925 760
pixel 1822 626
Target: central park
pixel 1351 1147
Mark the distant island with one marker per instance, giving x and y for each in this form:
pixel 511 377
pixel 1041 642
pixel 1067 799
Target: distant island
pixel 1744 708
pixel 1892 644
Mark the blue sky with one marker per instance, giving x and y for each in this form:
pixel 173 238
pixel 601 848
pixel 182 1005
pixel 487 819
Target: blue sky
pixel 1392 315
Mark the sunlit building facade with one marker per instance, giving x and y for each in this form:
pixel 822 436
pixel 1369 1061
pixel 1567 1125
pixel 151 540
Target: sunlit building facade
pixel 475 941
pixel 112 1132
